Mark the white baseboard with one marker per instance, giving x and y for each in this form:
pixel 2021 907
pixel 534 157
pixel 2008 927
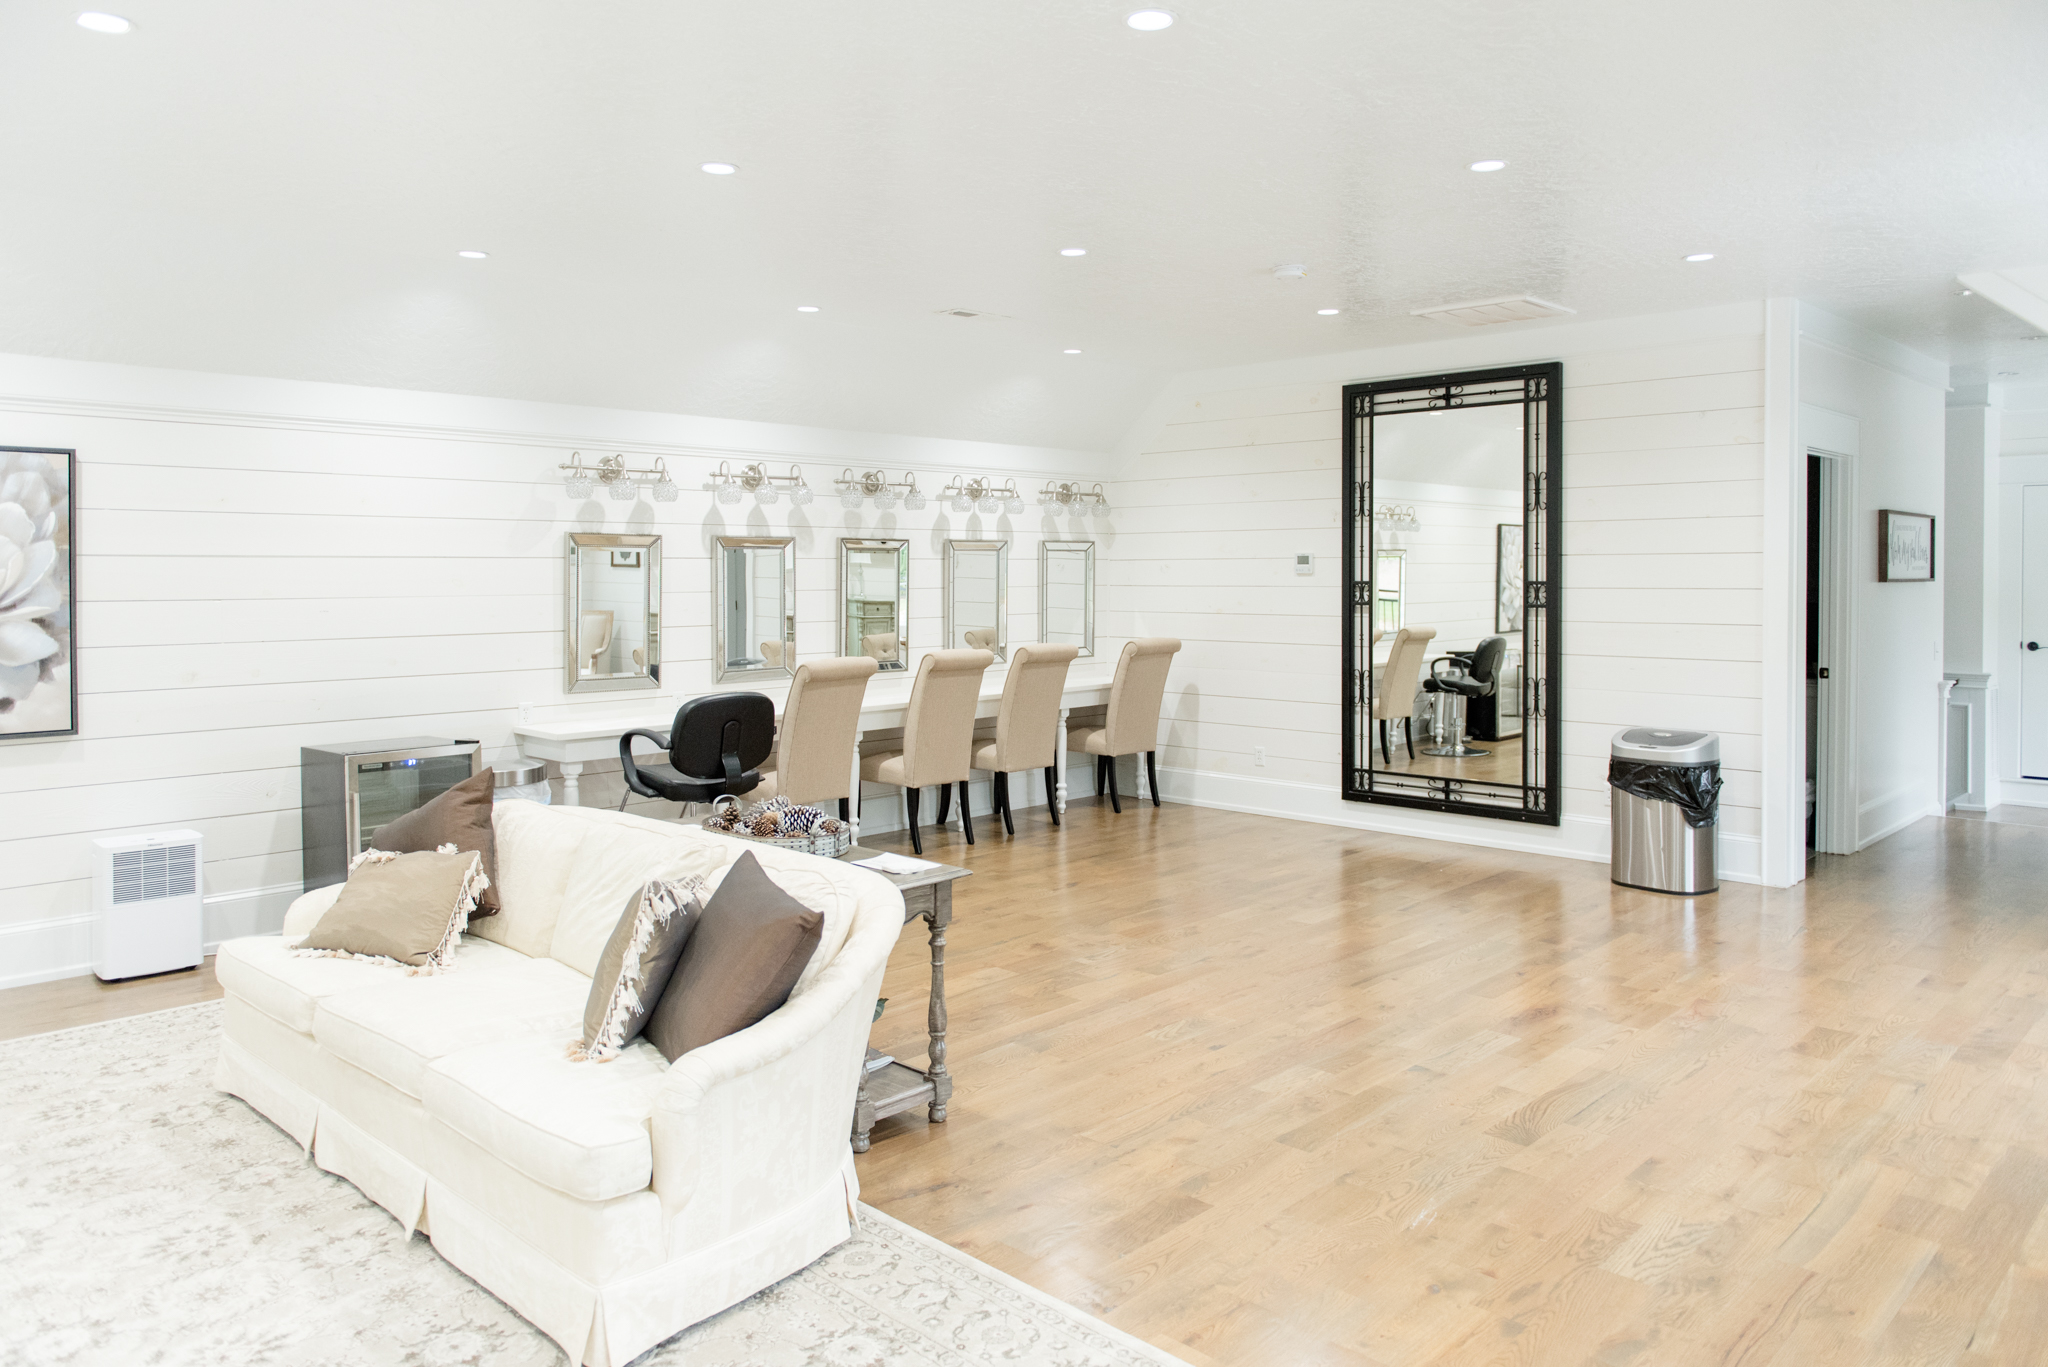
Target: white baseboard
pixel 1578 837
pixel 1892 813
pixel 2023 792
pixel 44 951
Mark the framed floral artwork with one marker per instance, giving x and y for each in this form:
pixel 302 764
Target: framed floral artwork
pixel 38 684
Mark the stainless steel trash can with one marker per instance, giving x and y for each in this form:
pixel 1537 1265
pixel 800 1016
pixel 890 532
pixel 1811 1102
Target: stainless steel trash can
pixel 1655 847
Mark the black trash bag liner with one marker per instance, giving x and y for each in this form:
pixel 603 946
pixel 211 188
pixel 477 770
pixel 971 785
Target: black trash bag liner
pixel 1694 788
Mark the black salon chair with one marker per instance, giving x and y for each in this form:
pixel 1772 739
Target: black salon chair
pixel 1476 675
pixel 715 748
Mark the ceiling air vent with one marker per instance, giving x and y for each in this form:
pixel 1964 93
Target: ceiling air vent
pixel 1513 308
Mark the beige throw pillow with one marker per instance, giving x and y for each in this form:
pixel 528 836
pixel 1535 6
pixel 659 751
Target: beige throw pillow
pixel 636 966
pixel 408 909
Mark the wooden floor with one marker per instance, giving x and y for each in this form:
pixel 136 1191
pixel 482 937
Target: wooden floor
pixel 1278 1094
pixel 1502 762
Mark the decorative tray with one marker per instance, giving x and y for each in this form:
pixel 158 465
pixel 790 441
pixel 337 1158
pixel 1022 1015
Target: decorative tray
pixel 727 819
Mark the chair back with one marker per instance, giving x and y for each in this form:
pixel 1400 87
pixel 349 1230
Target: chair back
pixel 880 646
pixel 1402 673
pixel 771 653
pixel 1137 694
pixel 814 745
pixel 981 638
pixel 594 634
pixel 721 737
pixel 1027 727
pixel 1485 667
pixel 938 729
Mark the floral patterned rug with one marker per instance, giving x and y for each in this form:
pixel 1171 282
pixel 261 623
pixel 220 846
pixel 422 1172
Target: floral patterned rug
pixel 149 1219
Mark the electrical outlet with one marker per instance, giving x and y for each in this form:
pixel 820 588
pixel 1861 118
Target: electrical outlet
pixel 1258 757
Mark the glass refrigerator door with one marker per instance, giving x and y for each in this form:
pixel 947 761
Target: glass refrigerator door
pixel 387 790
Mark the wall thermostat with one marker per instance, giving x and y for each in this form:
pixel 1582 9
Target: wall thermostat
pixel 1304 564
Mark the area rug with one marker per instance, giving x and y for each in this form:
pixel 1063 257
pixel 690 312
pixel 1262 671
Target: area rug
pixel 148 1219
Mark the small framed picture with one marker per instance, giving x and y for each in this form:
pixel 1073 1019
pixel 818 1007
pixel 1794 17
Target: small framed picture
pixel 625 560
pixel 1905 547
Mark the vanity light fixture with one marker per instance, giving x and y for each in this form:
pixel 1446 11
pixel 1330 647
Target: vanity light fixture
pixel 98 21
pixel 1151 20
pixel 1489 165
pixel 1396 519
pixel 982 492
pixel 1073 498
pixel 766 488
pixel 621 482
pixel 877 485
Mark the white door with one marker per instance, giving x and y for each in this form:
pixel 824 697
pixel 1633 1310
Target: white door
pixel 2034 632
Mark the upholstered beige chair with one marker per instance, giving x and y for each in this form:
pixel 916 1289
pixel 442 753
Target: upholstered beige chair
pixel 1132 726
pixel 771 653
pixel 595 632
pixel 880 646
pixel 1399 678
pixel 1027 727
pixel 938 733
pixel 982 638
pixel 813 759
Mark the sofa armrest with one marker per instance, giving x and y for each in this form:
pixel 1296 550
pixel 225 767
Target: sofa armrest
pixel 752 1122
pixel 306 910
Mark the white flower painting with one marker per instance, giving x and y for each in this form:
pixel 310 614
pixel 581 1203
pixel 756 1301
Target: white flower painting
pixel 37 694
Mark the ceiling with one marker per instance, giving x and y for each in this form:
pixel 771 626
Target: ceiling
pixel 281 189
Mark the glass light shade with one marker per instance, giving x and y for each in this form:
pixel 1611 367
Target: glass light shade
pixel 767 493
pixel 914 502
pixel 623 490
pixel 884 502
pixel 988 504
pixel 728 494
pixel 850 499
pixel 1102 510
pixel 579 487
pixel 1013 505
pixel 667 491
pixel 961 503
pixel 800 495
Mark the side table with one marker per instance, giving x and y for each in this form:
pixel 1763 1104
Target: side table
pixel 897 1086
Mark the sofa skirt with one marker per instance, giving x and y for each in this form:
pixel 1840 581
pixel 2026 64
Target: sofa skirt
pixel 604 1323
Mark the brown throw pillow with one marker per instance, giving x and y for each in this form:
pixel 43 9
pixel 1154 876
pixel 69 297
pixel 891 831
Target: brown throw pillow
pixel 402 908
pixel 460 817
pixel 749 948
pixel 636 965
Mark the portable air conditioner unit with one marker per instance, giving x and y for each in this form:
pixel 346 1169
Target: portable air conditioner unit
pixel 146 901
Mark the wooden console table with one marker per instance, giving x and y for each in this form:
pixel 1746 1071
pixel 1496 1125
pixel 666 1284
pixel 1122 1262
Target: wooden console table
pixel 897 1086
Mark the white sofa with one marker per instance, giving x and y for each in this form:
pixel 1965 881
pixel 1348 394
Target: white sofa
pixel 612 1204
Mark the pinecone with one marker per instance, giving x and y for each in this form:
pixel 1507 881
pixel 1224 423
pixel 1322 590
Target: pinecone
pixel 765 824
pixel 831 825
pixel 800 820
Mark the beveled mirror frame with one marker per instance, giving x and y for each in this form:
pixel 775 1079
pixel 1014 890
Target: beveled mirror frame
pixel 1001 648
pixel 651 546
pixel 1045 552
pixel 1538 388
pixel 847 546
pixel 787 668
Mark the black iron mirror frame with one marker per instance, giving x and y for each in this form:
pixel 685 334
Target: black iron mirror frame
pixel 1538 388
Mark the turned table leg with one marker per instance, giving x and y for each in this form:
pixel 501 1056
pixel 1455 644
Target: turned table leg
pixel 863 1113
pixel 572 788
pixel 1059 763
pixel 939 917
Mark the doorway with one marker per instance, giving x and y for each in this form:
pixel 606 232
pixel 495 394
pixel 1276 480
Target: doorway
pixel 2034 631
pixel 1830 783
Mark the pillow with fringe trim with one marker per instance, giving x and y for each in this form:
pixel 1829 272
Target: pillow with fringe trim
pixel 403 909
pixel 636 965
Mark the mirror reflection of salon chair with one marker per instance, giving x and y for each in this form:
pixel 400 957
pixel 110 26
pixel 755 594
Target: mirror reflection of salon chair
pixel 882 648
pixel 1472 674
pixel 1397 679
pixel 771 653
pixel 596 637
pixel 715 747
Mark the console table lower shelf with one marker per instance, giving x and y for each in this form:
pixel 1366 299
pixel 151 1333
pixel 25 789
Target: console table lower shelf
pixel 896 1087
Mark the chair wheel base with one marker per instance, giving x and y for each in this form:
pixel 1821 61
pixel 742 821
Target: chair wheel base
pixel 1455 752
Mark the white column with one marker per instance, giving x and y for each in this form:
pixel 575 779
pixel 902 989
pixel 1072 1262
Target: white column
pixel 572 790
pixel 1970 565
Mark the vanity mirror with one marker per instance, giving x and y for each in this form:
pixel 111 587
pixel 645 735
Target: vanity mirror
pixel 755 626
pixel 978 596
pixel 612 625
pixel 1452 556
pixel 1066 595
pixel 874 600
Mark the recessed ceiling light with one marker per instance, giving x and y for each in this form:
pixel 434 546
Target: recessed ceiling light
pixel 718 168
pixel 1073 351
pixel 1701 256
pixel 1964 294
pixel 1325 312
pixel 473 255
pixel 1073 251
pixel 1151 20
pixel 1489 166
pixel 100 22
pixel 806 308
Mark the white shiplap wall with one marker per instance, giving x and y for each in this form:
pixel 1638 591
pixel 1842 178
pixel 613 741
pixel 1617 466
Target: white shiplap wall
pixel 1238 472
pixel 264 564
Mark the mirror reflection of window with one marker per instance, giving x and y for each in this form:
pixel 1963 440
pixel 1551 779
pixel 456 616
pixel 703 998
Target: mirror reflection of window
pixel 1386 590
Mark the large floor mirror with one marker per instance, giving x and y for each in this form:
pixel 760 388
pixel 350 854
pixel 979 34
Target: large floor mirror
pixel 755 625
pixel 874 600
pixel 612 628
pixel 1452 557
pixel 978 596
